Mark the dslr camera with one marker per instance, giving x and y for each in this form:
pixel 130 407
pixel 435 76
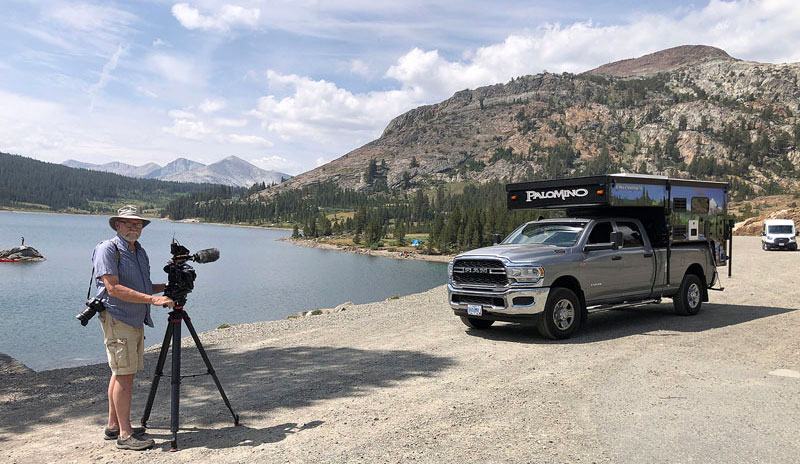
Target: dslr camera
pixel 93 306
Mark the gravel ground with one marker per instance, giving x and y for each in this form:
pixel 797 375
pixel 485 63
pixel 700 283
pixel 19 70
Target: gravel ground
pixel 403 380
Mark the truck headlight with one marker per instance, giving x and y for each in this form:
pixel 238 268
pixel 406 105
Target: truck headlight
pixel 525 273
pixel 450 271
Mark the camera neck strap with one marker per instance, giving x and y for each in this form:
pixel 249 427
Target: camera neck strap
pixel 116 253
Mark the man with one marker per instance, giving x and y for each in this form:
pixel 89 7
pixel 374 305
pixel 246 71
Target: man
pixel 122 276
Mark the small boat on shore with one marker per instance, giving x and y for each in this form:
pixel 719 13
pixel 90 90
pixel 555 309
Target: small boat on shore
pixel 6 260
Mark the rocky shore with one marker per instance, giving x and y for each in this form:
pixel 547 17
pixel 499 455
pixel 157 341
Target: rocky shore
pixel 22 254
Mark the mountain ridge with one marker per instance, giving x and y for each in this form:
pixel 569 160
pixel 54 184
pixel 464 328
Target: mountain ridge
pixel 231 170
pixel 690 111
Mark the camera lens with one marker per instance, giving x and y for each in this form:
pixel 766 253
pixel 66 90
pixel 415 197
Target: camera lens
pixel 85 315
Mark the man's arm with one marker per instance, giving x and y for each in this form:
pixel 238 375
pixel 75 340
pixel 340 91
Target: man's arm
pixel 124 293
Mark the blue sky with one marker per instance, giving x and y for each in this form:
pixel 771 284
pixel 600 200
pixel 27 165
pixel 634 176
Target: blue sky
pixel 289 85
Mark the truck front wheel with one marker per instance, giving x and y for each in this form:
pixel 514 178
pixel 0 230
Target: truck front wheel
pixel 475 323
pixel 690 296
pixel 561 316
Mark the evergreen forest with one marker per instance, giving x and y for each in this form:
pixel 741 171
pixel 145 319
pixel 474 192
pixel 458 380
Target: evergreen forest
pixel 26 183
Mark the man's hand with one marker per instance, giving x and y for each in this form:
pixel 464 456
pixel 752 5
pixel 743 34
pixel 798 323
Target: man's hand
pixel 163 301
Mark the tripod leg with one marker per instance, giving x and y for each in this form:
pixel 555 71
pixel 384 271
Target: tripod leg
pixel 176 382
pixel 162 357
pixel 210 368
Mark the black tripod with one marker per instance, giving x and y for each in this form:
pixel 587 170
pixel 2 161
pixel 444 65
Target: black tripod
pixel 174 332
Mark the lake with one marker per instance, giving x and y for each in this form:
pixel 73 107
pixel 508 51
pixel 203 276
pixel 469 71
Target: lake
pixel 257 278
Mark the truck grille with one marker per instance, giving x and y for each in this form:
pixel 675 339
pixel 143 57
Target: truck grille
pixel 481 300
pixel 479 271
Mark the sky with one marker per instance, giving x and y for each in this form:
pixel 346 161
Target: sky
pixel 289 85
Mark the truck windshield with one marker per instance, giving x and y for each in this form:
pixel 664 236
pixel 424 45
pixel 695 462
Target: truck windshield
pixel 547 233
pixel 780 230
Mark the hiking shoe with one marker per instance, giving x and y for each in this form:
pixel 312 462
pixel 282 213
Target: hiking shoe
pixel 135 443
pixel 110 434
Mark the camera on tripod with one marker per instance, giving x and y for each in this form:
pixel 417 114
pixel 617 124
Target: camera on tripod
pixel 180 276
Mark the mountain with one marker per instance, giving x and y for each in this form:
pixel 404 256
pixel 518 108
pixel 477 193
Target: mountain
pixel 175 167
pixel 664 60
pixel 230 171
pixel 115 167
pixel 690 111
pixel 30 184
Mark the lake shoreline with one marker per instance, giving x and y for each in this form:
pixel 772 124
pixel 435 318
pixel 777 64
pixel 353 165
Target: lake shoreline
pixel 309 243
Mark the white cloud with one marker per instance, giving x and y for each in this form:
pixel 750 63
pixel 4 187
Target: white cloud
pixel 225 122
pixel 323 112
pixel 188 129
pixel 87 17
pixel 211 106
pixel 277 163
pixel 359 67
pixel 226 18
pixel 320 161
pixel 110 65
pixel 248 140
pixel 175 69
pixel 744 29
pixel 181 114
pixel 158 42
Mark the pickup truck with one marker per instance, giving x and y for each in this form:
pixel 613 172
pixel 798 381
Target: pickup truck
pixel 554 272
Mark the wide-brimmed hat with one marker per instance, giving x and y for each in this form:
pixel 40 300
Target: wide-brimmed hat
pixel 127 212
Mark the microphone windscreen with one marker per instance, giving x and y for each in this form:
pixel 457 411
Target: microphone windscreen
pixel 209 255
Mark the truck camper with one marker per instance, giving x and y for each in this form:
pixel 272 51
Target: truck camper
pixel 625 240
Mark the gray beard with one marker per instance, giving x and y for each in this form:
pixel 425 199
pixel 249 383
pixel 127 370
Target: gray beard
pixel 130 236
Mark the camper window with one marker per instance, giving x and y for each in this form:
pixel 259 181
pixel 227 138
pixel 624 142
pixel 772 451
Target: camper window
pixel 700 205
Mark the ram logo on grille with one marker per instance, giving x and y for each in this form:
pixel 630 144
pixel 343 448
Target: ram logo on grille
pixel 476 270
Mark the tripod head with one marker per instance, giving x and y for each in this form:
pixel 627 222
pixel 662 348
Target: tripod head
pixel 181 276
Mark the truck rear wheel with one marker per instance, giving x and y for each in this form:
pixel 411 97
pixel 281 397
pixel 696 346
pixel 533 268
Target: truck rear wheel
pixel 475 323
pixel 689 298
pixel 561 316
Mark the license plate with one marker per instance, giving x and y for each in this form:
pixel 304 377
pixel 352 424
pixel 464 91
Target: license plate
pixel 781 244
pixel 475 310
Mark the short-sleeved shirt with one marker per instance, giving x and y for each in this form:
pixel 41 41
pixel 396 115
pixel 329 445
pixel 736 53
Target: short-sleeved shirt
pixel 133 271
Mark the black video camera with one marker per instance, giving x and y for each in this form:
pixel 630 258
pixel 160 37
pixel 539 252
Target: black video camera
pixel 180 276
pixel 93 307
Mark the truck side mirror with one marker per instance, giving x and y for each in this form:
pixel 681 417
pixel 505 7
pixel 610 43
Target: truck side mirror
pixel 616 239
pixel 497 239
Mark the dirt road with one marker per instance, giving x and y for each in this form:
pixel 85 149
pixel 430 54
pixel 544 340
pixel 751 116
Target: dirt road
pixel 404 380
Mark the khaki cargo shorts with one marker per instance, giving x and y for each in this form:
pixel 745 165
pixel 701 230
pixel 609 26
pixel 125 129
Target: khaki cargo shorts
pixel 124 345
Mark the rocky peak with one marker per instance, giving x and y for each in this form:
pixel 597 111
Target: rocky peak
pixel 664 60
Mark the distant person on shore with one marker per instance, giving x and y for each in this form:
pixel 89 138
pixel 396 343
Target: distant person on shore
pixel 122 276
pixel 23 241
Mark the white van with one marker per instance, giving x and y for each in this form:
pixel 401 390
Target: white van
pixel 779 234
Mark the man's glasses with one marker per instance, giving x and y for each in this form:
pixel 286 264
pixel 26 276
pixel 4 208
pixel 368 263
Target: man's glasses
pixel 133 225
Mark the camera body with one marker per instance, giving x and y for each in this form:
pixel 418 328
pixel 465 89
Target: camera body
pixel 180 276
pixel 93 306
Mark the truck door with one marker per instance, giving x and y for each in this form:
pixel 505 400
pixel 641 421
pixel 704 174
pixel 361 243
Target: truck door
pixel 600 267
pixel 637 269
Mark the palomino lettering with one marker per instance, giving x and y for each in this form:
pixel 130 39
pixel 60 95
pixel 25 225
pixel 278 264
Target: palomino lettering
pixel 563 194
